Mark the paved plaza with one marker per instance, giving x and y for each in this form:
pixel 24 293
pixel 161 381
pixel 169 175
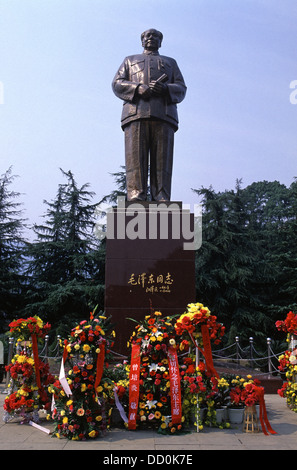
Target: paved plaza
pixel 16 436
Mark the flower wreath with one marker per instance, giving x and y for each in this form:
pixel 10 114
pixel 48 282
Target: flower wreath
pixel 81 396
pixel 23 329
pixel 202 327
pixel 154 380
pixel 288 361
pixel 29 376
pixel 289 325
pixel 26 397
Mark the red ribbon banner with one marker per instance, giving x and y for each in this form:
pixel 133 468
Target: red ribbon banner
pixel 207 350
pixel 175 392
pixel 134 385
pixel 36 359
pixel 65 352
pixel 263 413
pixel 207 353
pixel 100 364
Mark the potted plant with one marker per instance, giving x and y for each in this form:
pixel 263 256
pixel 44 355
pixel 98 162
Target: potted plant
pixel 236 405
pixel 222 400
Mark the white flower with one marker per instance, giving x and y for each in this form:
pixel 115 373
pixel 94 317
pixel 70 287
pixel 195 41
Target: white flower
pixel 145 343
pixel 153 367
pixel 292 359
pixel 141 328
pixel 151 403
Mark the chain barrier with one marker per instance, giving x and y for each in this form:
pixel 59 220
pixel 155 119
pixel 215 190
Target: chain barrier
pixel 233 353
pixel 249 354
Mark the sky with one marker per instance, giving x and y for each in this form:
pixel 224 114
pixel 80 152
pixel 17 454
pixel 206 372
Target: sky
pixel 57 109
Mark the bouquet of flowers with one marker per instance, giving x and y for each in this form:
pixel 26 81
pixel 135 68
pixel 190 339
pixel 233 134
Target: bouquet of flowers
pixel 243 392
pixel 222 390
pixel 154 375
pixel 82 406
pixel 250 394
pixel 201 327
pixel 288 362
pixel 29 377
pixel 285 360
pixel 289 325
pixel 190 323
pixel 23 329
pixel 26 398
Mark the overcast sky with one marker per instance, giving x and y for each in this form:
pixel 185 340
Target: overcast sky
pixel 57 61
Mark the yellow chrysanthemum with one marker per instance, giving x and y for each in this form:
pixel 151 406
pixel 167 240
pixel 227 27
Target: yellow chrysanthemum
pixel 21 359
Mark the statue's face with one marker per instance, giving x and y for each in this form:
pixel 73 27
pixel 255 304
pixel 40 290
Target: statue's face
pixel 151 40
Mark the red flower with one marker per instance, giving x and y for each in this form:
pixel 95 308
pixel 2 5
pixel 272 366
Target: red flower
pixel 289 325
pixel 250 401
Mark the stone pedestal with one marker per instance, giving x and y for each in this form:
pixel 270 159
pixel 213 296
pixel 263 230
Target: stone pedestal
pixel 148 264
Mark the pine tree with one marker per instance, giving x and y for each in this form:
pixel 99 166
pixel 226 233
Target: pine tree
pixel 224 267
pixel 66 264
pixel 246 267
pixel 11 251
pixel 268 206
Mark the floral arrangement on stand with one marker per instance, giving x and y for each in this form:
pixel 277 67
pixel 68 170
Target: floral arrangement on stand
pixel 82 396
pixel 288 361
pixel 198 326
pixel 243 392
pixel 23 329
pixel 192 321
pixel 288 325
pixel 154 379
pixel 29 377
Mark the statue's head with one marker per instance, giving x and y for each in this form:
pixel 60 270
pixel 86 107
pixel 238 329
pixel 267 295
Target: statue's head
pixel 151 39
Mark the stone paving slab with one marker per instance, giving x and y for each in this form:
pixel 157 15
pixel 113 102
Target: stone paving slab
pixel 16 436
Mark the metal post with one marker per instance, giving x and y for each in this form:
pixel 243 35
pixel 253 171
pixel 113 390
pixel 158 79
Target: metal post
pixel 46 348
pixel 269 357
pixel 251 351
pixel 58 345
pixel 237 349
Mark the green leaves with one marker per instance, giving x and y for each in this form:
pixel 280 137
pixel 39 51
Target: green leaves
pixel 247 266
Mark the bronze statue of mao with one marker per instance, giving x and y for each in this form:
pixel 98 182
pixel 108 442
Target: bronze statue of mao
pixel 150 86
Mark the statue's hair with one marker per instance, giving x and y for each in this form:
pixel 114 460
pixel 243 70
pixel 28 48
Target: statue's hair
pixel 155 30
